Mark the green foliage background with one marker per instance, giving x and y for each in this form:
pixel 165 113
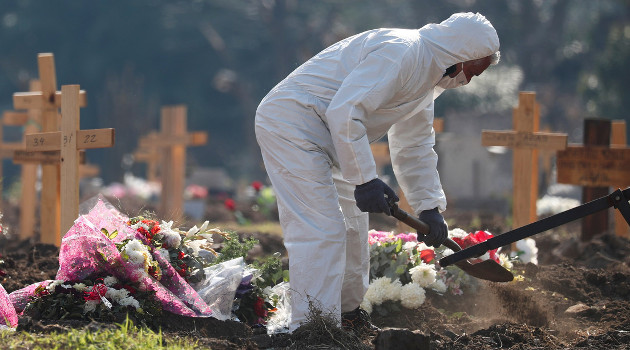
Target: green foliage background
pixel 221 57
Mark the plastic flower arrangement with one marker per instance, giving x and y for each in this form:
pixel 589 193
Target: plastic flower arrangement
pixel 403 269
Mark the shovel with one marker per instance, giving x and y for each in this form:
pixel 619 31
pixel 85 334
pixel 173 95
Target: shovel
pixel 488 270
pixel 618 199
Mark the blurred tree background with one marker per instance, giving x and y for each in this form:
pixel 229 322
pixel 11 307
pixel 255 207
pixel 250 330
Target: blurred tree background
pixel 221 57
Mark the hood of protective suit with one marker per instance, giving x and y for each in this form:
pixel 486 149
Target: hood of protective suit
pixel 460 38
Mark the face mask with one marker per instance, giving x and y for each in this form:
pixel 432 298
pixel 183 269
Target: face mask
pixel 450 83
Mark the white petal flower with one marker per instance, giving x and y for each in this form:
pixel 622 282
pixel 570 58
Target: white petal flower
pixel 172 239
pixel 366 305
pixel 392 291
pixel 193 231
pixel 439 286
pixel 129 301
pixel 376 292
pixel 165 254
pixel 110 281
pixel 504 261
pixel 80 287
pixel 204 226
pixel 412 296
pixel 423 274
pixel 90 305
pixel 457 233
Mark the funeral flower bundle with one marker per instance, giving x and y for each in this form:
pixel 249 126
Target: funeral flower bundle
pixel 105 299
pixel 403 269
pixel 110 265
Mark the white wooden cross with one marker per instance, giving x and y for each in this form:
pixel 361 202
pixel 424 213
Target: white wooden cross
pixel 68 142
pixel 525 140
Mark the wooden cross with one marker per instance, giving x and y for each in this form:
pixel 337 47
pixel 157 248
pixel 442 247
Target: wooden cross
pixel 380 151
pixel 28 177
pixel 48 101
pixel 172 142
pixel 618 139
pixel 595 166
pixel 150 155
pixel 525 140
pixel 9 118
pixel 68 142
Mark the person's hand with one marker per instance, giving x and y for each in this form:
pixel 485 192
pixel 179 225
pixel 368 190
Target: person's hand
pixel 370 197
pixel 438 229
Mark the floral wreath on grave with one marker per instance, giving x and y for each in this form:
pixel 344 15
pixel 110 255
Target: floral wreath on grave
pixel 403 269
pixel 112 267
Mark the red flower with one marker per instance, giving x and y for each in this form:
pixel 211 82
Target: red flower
pixel 476 238
pixel 2 273
pixel 427 255
pixel 230 204
pixel 257 185
pixel 259 307
pixel 155 229
pixel 98 291
pixel 181 255
pixel 131 289
pixel 181 272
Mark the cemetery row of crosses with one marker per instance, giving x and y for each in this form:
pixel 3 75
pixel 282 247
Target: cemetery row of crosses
pixel 54 141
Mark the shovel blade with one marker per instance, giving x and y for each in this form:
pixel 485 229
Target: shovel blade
pixel 488 270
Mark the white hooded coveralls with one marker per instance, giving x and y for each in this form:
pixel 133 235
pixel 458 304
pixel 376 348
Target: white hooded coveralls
pixel 315 128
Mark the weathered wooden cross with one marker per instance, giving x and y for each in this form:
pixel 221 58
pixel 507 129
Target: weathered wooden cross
pixel 68 142
pixel 150 155
pixel 48 101
pixel 595 166
pixel 172 142
pixel 525 140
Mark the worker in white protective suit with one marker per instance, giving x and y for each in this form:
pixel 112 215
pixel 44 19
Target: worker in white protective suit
pixel 315 128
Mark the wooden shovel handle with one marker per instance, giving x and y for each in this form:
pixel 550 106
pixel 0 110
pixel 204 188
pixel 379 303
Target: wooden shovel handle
pixel 421 226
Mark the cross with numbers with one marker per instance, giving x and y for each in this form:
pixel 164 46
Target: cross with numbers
pixel 525 140
pixel 172 142
pixel 48 101
pixel 596 165
pixel 68 142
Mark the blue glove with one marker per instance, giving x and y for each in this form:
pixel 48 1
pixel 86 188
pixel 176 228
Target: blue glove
pixel 370 197
pixel 438 229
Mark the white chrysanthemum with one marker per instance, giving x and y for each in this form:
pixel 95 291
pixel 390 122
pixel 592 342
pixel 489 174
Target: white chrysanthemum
pixel 457 233
pixel 439 286
pixel 447 252
pixel 376 292
pixel 392 291
pixel 129 301
pixel 52 285
pixel 423 274
pixel 529 251
pixel 135 257
pixel 164 253
pixel 172 239
pixel 409 247
pixel 412 295
pixel 116 294
pixel 366 305
pixel 80 287
pixel 134 244
pixel 504 260
pixel 90 305
pixel 422 246
pixel 110 281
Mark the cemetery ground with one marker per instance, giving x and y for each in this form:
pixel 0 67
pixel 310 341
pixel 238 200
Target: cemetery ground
pixel 578 296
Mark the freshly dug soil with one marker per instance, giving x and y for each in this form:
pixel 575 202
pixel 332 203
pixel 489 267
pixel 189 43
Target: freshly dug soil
pixel 577 297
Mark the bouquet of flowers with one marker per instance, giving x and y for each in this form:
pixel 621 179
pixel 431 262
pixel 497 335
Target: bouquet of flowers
pixel 111 265
pixel 402 269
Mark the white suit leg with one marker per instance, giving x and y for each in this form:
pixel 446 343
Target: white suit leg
pixel 312 223
pixel 356 276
